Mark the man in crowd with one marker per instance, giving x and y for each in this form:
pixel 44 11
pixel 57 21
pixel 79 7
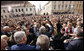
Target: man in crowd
pixel 7 31
pixel 20 39
pixel 77 42
pixel 43 41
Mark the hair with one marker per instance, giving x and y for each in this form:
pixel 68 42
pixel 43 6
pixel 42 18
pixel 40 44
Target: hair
pixel 5 27
pixel 18 36
pixel 62 29
pixel 3 44
pixel 78 31
pixel 43 41
pixel 70 24
pixel 79 23
pixel 42 28
pixel 4 37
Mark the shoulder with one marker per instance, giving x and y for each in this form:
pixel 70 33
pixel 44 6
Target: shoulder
pixel 30 46
pixel 75 41
pixel 14 47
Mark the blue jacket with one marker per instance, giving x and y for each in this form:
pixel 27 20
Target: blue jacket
pixel 76 44
pixel 49 33
pixel 22 47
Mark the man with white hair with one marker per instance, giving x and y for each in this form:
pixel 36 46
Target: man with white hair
pixel 43 41
pixel 6 30
pixel 20 38
pixel 77 42
pixel 42 30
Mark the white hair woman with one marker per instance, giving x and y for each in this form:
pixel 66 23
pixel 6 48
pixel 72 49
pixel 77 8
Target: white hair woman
pixel 43 41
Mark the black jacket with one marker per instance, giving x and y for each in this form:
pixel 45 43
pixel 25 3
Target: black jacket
pixel 76 44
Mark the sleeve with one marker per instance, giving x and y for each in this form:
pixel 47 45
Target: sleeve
pixel 51 30
pixel 35 29
pixel 69 47
pixel 72 29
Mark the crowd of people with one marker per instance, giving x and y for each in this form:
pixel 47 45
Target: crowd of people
pixel 47 32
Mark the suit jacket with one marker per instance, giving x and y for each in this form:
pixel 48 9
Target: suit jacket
pixel 22 47
pixel 76 44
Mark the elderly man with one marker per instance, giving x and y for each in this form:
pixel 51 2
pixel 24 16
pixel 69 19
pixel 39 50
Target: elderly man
pixel 7 30
pixel 20 38
pixel 3 44
pixel 43 41
pixel 77 42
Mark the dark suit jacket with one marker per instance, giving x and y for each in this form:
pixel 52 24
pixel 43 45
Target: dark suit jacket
pixel 76 44
pixel 22 47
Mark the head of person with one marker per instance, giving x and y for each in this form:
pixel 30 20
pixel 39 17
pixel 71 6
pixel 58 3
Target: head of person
pixel 28 25
pixel 18 28
pixel 12 28
pixel 43 41
pixel 20 37
pixel 26 32
pixel 79 23
pixel 78 32
pixel 3 44
pixel 4 37
pixel 62 30
pixel 6 28
pixel 42 30
pixel 64 25
pixel 38 25
pixel 69 25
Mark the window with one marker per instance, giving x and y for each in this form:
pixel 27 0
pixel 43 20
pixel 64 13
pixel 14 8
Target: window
pixel 12 10
pixel 16 10
pixel 66 6
pixel 9 16
pixel 19 10
pixel 4 11
pixel 34 8
pixel 69 6
pixel 62 2
pixel 26 9
pixel 70 2
pixel 22 10
pixel 62 6
pixel 54 6
pixel 8 11
pixel 58 6
pixel 30 9
pixel 5 16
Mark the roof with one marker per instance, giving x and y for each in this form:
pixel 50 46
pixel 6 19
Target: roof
pixel 11 2
pixel 15 3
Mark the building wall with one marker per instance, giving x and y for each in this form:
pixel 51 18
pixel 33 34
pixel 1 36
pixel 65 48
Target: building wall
pixel 64 6
pixel 79 7
pixel 26 10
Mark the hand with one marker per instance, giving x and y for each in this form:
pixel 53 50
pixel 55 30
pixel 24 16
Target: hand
pixel 65 34
pixel 67 40
pixel 35 23
pixel 51 39
pixel 48 25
